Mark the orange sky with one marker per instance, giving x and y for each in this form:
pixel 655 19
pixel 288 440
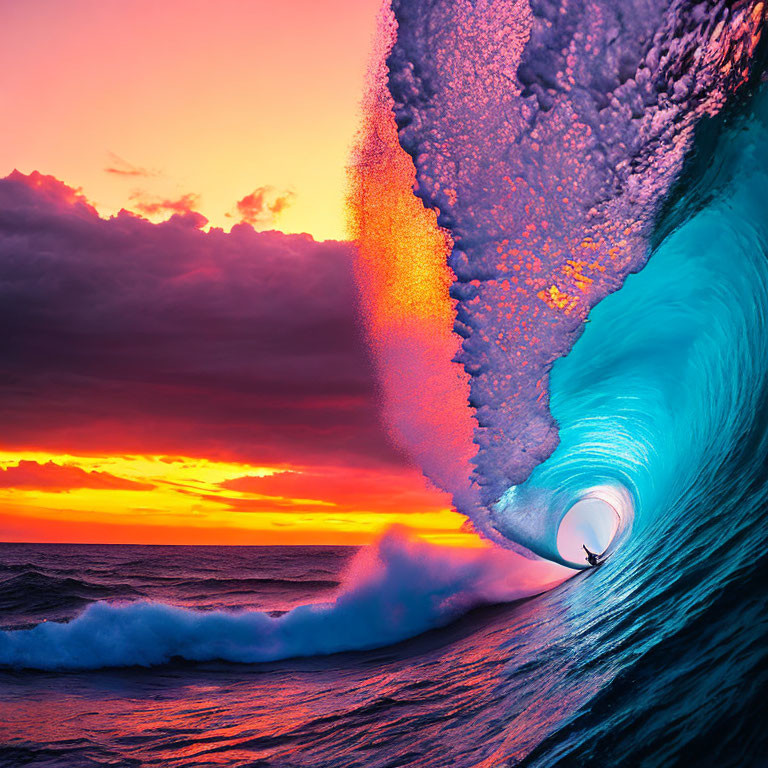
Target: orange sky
pixel 163 384
pixel 161 499
pixel 200 102
pixel 243 111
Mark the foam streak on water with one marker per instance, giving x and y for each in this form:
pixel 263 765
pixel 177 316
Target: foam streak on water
pixel 392 592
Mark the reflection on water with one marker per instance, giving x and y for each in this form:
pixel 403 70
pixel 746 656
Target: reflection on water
pixel 624 663
pixel 477 693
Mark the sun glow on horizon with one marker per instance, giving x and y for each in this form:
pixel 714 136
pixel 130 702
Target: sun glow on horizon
pixel 200 499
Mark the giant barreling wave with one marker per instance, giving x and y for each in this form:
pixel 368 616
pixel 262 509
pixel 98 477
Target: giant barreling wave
pixel 546 136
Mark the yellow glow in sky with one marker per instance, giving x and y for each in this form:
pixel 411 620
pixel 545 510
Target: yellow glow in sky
pixel 206 100
pixel 186 493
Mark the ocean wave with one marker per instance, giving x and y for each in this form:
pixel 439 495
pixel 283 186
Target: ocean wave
pixel 659 404
pixel 394 591
pixel 547 160
pixel 35 589
pixel 250 583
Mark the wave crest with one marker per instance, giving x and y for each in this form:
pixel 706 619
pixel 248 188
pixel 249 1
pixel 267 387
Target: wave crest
pixel 396 590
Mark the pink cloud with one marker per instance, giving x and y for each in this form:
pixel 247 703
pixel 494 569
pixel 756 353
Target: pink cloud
pixel 151 206
pixel 263 205
pixel 58 478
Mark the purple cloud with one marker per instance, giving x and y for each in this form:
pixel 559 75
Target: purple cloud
pixel 124 335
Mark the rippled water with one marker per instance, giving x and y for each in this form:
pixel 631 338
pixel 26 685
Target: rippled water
pixel 54 583
pixel 626 664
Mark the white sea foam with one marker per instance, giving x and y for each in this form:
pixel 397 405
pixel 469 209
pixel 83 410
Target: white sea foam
pixel 394 590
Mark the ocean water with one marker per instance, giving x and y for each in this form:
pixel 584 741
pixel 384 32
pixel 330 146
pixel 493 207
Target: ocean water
pixel 55 582
pixel 624 665
pixel 659 657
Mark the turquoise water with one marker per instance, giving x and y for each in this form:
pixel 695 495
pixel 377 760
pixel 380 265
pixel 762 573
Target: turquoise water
pixel 660 403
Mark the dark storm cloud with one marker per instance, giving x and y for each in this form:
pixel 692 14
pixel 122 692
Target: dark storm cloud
pixel 124 335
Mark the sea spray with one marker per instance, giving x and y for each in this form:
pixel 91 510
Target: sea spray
pixel 394 590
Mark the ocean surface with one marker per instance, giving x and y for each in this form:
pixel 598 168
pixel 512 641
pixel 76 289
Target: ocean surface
pixel 655 660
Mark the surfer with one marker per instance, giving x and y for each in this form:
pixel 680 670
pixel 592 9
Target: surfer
pixel 592 558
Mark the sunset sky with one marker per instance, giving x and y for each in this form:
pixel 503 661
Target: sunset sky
pixel 152 106
pixel 172 371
